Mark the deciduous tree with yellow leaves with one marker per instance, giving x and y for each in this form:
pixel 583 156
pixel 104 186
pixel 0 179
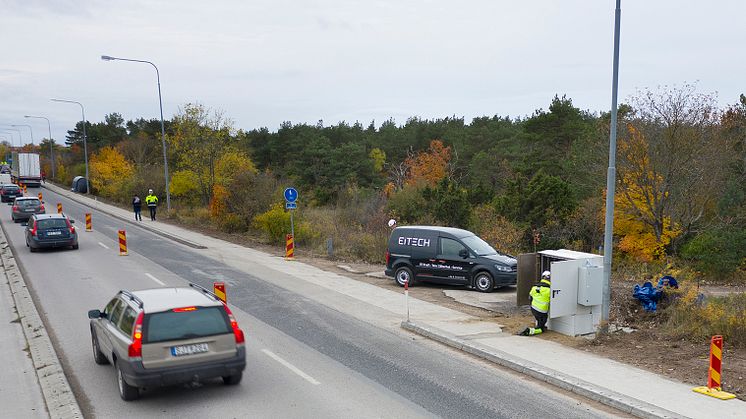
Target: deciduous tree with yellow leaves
pixel 110 172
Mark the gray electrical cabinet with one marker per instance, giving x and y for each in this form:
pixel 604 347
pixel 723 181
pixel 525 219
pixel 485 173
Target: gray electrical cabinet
pixel 576 290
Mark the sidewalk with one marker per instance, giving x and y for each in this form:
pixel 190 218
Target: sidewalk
pixel 622 386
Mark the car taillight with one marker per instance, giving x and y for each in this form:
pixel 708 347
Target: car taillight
pixel 33 229
pixel 135 348
pixel 388 255
pixel 42 208
pixel 15 207
pixel 237 333
pixel 70 226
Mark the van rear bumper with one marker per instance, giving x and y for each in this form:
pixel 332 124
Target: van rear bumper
pixel 136 375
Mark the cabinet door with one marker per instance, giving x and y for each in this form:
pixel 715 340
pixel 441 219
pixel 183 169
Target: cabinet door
pixel 564 290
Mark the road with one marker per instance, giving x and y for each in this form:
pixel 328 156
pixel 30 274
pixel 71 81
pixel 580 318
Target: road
pixel 304 359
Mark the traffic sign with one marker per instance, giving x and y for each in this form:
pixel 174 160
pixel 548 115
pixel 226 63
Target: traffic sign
pixel 291 195
pixel 291 205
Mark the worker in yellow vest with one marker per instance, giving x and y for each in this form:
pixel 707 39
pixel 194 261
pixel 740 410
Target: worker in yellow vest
pixel 152 202
pixel 539 296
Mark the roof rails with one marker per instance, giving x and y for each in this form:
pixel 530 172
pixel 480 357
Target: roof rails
pixel 205 291
pixel 132 297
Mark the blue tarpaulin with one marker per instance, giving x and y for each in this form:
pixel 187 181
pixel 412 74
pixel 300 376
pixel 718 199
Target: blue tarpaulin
pixel 649 295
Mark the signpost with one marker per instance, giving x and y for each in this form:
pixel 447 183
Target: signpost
pixel 291 195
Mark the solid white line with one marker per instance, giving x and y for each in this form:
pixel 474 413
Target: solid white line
pixel 154 279
pixel 103 245
pixel 291 367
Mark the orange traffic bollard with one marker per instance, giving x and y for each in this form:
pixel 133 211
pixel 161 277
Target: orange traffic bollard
pixel 40 196
pixel 59 208
pixel 713 376
pixel 122 243
pixel 88 222
pixel 24 188
pixel 289 247
pixel 219 291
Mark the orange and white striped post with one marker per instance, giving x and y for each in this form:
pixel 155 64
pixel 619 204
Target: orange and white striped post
pixel 219 291
pixel 714 374
pixel 24 188
pixel 41 197
pixel 59 208
pixel 88 222
pixel 122 243
pixel 289 247
pixel 406 297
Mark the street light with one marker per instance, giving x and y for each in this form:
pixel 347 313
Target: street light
pixel 17 131
pixel 85 141
pixel 163 129
pixel 611 172
pixel 51 141
pixel 30 129
pixel 11 135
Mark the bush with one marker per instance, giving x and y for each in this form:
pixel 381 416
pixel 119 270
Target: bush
pixel 232 223
pixel 717 252
pixel 693 317
pixel 275 224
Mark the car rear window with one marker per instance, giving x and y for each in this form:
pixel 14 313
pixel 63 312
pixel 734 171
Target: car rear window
pixel 190 323
pixel 51 223
pixel 12 188
pixel 25 203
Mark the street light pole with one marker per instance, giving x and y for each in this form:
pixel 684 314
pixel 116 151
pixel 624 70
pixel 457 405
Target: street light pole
pixel 30 129
pixel 17 131
pixel 51 141
pixel 85 142
pixel 163 129
pixel 611 172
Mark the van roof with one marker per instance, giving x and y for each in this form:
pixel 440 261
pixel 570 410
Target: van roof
pixel 456 232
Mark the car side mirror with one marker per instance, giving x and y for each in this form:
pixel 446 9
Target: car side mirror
pixel 24 224
pixel 72 221
pixel 95 314
pixel 10 203
pixel 463 253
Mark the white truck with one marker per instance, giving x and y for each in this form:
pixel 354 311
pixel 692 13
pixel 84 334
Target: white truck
pixel 25 169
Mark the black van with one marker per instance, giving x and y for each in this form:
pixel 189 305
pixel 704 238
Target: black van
pixel 446 255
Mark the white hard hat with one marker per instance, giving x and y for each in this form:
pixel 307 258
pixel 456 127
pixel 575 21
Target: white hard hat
pixel 392 222
pixel 150 191
pixel 546 274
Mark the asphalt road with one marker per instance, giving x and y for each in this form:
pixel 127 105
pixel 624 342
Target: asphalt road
pixel 304 359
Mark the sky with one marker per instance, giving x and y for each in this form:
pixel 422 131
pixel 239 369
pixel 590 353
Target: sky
pixel 262 62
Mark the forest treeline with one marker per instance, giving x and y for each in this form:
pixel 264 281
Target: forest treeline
pixel 680 194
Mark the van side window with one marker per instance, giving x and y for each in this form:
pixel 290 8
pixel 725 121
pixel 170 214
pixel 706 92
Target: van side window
pixel 450 248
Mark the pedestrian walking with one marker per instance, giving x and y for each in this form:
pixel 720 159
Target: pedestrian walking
pixel 137 206
pixel 152 202
pixel 539 297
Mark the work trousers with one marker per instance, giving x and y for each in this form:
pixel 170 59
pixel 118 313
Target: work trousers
pixel 152 212
pixel 541 319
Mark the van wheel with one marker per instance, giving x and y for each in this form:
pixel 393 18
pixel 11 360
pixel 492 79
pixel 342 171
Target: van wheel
pixel 126 391
pixel 484 282
pixel 404 275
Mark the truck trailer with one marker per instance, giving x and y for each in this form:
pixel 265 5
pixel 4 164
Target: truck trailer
pixel 25 169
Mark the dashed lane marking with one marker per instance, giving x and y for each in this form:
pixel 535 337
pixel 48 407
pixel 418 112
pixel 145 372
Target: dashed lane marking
pixel 291 367
pixel 103 245
pixel 155 279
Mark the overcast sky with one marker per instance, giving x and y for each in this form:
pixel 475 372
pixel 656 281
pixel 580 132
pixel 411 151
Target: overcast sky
pixel 268 61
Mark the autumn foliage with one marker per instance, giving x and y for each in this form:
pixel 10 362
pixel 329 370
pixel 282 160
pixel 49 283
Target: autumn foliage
pixel 110 172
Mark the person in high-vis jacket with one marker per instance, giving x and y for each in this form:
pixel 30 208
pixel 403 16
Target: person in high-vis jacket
pixel 152 202
pixel 539 297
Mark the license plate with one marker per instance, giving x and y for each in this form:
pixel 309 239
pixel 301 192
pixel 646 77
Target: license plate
pixel 54 233
pixel 29 210
pixel 182 350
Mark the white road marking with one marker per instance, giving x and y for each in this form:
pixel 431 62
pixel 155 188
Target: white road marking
pixel 291 367
pixel 103 245
pixel 155 279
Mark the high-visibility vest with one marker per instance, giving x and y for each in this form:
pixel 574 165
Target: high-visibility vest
pixel 151 200
pixel 540 296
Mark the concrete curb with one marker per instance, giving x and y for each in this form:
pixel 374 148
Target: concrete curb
pixel 583 388
pixel 55 388
pixel 83 201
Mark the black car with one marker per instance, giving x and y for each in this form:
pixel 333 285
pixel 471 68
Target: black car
pixel 9 192
pixel 50 230
pixel 447 255
pixel 25 206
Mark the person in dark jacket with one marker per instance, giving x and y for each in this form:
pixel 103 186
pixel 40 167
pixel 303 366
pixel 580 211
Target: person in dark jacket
pixel 137 206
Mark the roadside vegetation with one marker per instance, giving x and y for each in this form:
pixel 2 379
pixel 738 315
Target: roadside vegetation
pixel 681 193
